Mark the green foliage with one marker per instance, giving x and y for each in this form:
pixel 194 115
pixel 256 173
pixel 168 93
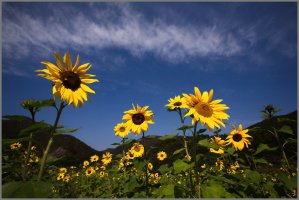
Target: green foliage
pixel 15 117
pixel 286 129
pixel 264 147
pixel 34 128
pixel 206 143
pixel 214 189
pixel 59 132
pixel 181 166
pixel 184 127
pixel 167 137
pixel 30 189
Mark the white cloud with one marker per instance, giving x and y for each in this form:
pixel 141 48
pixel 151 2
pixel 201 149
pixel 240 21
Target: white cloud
pixel 25 34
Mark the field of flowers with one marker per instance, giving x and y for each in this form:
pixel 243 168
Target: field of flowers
pixel 229 168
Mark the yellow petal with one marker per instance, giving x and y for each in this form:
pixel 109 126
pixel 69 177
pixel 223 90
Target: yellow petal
pixel 197 92
pixel 87 89
pixel 211 93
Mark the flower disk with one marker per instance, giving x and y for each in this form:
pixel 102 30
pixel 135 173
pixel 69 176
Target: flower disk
pixel 107 157
pixel 121 130
pixel 138 119
pixel 70 82
pixel 238 138
pixel 137 149
pixel 176 102
pixel 161 155
pixel 205 110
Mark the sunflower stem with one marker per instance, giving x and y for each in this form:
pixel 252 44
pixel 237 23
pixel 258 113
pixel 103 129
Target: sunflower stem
pixel 184 134
pixel 282 150
pixel 145 168
pixel 46 152
pixel 195 153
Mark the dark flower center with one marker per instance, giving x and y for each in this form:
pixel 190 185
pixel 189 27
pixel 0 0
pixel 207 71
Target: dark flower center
pixel 122 129
pixel 137 148
pixel 204 109
pixel 138 118
pixel 70 80
pixel 237 137
pixel 177 104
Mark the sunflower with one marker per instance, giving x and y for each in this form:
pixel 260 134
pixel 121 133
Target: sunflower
pixel 218 141
pixel 69 82
pixel 130 155
pixel 176 102
pixel 89 171
pixel 15 146
pixel 219 151
pixel 138 118
pixel 63 170
pixel 121 130
pixel 60 176
pixel 107 157
pixel 102 174
pixel 205 110
pixel 161 155
pixel 94 158
pixel 67 178
pixel 85 163
pixel 238 138
pixel 137 149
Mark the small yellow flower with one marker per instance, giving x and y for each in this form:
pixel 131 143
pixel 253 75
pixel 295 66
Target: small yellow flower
pixel 33 148
pixel 122 130
pixel 156 175
pixel 204 166
pixel 89 171
pixel 60 176
pixel 188 158
pixel 137 149
pixel 161 155
pixel 85 163
pixel 103 168
pixel 176 102
pixel 15 146
pixel 150 166
pixel 67 178
pixel 219 151
pixel 63 170
pixel 102 174
pixel 238 138
pixel 138 118
pixel 130 155
pixel 218 141
pixel 107 157
pixel 94 158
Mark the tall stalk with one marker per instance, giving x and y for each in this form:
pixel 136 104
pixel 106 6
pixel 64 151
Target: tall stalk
pixel 146 163
pixel 46 152
pixel 184 134
pixel 194 154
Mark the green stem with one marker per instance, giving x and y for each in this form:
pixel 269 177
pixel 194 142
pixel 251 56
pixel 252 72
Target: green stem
pixel 28 156
pixel 146 163
pixel 184 133
pixel 282 150
pixel 46 152
pixel 195 153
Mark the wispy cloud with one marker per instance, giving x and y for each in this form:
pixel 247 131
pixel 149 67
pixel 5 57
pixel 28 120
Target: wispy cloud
pixel 115 27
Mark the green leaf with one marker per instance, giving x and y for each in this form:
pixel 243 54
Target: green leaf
pixel 45 103
pixel 167 137
pixel 206 143
pixel 167 191
pixel 184 127
pixel 215 189
pixel 180 166
pixel 286 120
pixel 115 143
pixel 201 130
pixel 264 147
pixel 131 184
pixel 230 150
pixel 261 160
pixel 269 186
pixel 289 141
pixel 178 151
pixel 163 168
pixel 288 182
pixel 286 129
pixel 15 117
pixel 253 176
pixel 29 189
pixel 59 132
pixel 34 128
pixel 130 141
pixel 11 141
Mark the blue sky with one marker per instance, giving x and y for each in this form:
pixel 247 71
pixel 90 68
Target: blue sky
pixel 146 53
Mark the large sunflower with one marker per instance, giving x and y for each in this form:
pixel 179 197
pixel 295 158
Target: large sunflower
pixel 238 138
pixel 138 118
pixel 176 102
pixel 69 82
pixel 205 110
